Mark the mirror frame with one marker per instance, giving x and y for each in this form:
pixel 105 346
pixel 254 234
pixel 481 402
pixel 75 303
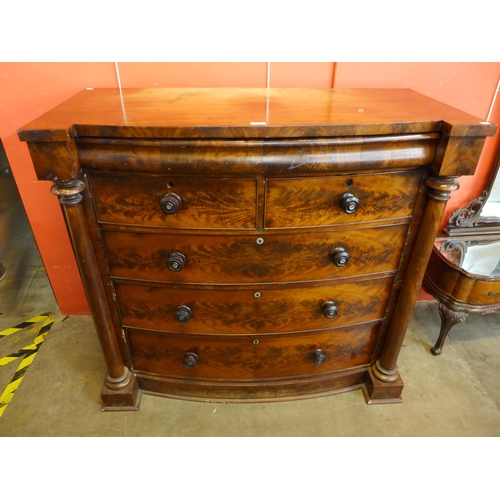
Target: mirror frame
pixel 469 221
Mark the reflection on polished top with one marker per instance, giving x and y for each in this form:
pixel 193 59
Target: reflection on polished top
pixel 478 257
pixel 250 113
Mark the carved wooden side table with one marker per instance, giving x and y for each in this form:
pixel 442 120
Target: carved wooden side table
pixel 464 276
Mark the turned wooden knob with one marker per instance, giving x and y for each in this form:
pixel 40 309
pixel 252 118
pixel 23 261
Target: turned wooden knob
pixel 319 356
pixel 349 203
pixel 176 262
pixel 170 203
pixel 340 257
pixel 190 359
pixel 182 314
pixel 329 309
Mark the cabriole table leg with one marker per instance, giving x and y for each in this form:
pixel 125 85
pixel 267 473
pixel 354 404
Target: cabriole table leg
pixel 449 318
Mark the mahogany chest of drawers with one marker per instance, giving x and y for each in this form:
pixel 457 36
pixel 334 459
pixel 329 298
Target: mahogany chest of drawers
pixel 252 244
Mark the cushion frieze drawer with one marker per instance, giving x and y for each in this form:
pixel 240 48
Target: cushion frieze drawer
pixel 270 310
pixel 249 357
pixel 342 199
pixel 176 202
pixel 264 258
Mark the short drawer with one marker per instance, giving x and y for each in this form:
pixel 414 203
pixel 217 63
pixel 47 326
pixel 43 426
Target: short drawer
pixel 245 311
pixel 262 258
pixel 249 357
pixel 342 199
pixel 176 202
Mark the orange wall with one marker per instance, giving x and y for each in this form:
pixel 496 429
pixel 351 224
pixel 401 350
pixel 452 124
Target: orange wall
pixel 29 89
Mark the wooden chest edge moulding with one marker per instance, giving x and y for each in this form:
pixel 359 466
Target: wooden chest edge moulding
pixel 252 173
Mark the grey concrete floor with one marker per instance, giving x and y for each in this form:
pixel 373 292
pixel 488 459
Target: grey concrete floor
pixel 454 394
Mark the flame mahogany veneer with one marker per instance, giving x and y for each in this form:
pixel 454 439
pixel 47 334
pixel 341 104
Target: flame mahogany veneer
pixel 252 244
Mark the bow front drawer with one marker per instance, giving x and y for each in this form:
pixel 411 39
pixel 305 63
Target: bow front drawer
pixel 172 202
pixel 342 199
pixel 254 259
pixel 198 310
pixel 249 357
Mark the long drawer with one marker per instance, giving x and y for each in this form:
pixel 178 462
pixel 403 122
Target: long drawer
pixel 160 201
pixel 341 199
pixel 240 311
pixel 254 259
pixel 249 357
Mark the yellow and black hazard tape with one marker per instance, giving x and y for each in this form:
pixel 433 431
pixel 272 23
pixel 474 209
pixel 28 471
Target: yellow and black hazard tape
pixel 24 324
pixel 28 354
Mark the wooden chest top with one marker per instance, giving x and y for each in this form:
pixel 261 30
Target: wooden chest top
pixel 249 113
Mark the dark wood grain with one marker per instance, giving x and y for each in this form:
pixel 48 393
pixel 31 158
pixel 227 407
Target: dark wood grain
pixel 102 267
pixel 253 390
pixel 239 311
pixel 206 203
pixel 241 259
pixel 439 189
pixel 457 156
pixel 233 166
pixel 339 154
pixel 265 156
pixel 241 357
pixel 120 386
pixel 211 113
pixel 317 201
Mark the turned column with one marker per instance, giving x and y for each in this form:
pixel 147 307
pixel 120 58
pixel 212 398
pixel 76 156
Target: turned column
pixel 385 368
pixel 120 384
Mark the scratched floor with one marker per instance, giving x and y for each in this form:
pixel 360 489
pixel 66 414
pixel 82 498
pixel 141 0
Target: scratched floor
pixel 455 394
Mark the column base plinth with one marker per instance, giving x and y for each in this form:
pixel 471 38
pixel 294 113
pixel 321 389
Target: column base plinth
pixel 378 392
pixel 127 398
